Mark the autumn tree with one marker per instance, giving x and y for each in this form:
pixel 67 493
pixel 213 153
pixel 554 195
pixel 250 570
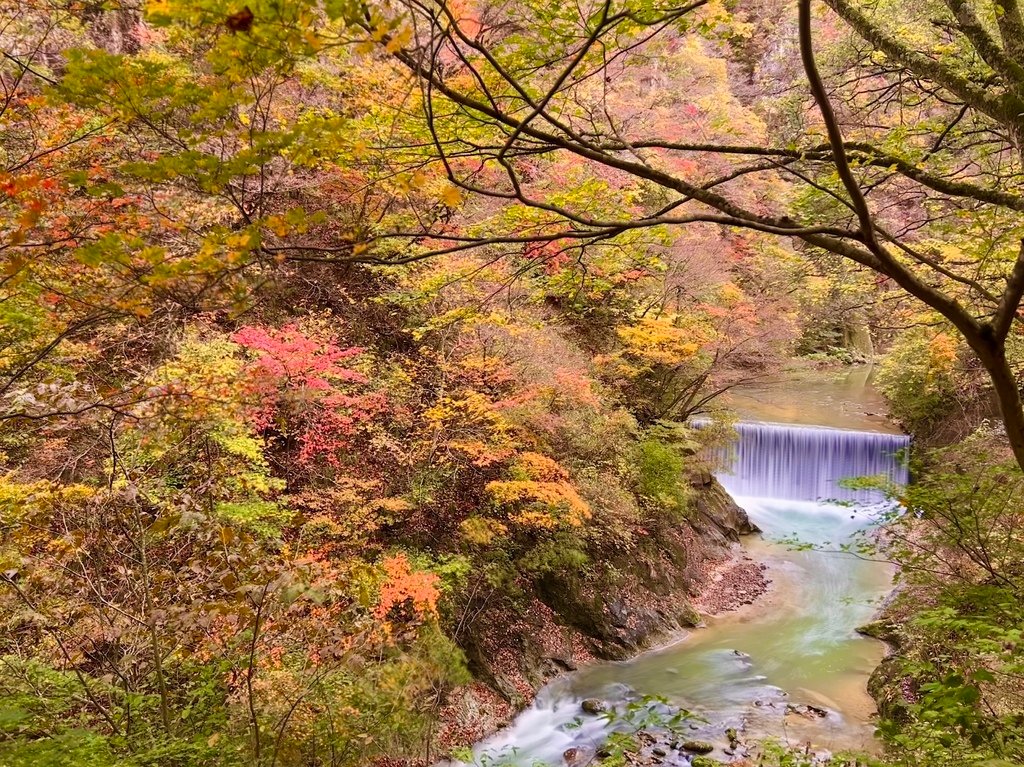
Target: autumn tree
pixel 925 151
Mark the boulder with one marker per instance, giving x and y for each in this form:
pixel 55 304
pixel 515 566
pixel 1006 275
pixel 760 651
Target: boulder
pixel 698 746
pixel 577 756
pixel 593 706
pixel 806 711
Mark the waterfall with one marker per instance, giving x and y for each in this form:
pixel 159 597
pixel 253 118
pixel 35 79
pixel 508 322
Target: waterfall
pixel 807 463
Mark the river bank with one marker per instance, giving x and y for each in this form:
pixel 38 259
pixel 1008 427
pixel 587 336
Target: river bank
pixel 686 574
pixel 757 639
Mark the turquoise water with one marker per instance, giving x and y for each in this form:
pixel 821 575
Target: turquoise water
pixel 795 646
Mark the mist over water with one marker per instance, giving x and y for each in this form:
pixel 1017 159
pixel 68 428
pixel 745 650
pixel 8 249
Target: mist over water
pixel 798 645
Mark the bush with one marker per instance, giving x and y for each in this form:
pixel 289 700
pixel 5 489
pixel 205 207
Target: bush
pixel 919 376
pixel 661 473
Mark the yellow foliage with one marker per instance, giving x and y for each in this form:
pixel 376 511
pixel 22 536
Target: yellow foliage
pixel 540 467
pixel 471 407
pixel 667 340
pixel 24 509
pixel 730 294
pixel 540 504
pixel 482 531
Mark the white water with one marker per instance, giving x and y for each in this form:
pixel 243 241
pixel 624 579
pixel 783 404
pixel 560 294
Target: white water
pixel 808 463
pixel 797 645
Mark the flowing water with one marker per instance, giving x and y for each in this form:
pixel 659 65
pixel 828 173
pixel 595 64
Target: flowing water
pixel 795 646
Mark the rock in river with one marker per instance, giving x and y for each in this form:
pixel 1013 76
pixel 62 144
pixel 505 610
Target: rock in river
pixel 593 706
pixel 698 746
pixel 578 756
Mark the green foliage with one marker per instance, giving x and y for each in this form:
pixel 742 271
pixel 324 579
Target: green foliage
pixel 919 376
pixel 69 748
pixel 662 472
pixel 961 652
pixel 267 518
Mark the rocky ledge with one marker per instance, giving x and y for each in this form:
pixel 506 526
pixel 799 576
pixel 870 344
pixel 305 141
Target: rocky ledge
pixel 625 603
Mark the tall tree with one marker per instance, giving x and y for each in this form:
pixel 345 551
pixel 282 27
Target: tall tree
pixel 927 146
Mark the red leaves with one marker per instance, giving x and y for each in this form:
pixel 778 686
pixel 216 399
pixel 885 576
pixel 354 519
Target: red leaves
pixel 304 391
pixel 301 360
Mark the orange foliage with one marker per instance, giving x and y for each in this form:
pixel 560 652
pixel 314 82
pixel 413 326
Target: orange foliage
pixel 406 587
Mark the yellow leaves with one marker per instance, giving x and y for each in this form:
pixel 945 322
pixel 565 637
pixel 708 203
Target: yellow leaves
pixel 544 499
pixel 730 294
pixel 380 31
pixel 445 320
pixel 481 531
pixel 20 498
pixel 481 454
pixel 540 467
pixel 451 196
pixel 278 226
pixel 667 340
pixel 471 407
pixel 158 8
pixel 399 40
pixel 26 509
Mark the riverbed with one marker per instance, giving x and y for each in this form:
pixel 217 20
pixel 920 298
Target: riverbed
pixel 790 666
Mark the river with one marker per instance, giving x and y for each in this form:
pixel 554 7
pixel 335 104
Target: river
pixel 795 646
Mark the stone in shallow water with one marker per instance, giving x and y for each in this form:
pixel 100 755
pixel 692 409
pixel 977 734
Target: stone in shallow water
pixel 593 706
pixel 698 746
pixel 578 756
pixel 806 711
pixel 704 761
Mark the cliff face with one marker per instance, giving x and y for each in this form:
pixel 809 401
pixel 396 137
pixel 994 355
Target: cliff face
pixel 622 604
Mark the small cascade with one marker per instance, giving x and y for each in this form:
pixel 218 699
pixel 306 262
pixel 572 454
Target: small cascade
pixel 808 463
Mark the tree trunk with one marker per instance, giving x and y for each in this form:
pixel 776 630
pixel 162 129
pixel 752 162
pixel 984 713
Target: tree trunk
pixel 992 354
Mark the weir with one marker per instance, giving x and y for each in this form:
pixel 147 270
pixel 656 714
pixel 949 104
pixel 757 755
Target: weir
pixel 808 463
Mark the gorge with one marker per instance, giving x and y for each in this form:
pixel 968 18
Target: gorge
pixel 790 666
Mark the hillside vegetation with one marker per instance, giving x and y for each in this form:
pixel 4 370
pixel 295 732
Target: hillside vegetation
pixel 347 351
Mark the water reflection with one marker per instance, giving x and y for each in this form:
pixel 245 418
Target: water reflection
pixel 842 398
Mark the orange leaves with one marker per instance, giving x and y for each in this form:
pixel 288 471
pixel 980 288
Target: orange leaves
pixel 406 595
pixel 31 194
pixel 942 352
